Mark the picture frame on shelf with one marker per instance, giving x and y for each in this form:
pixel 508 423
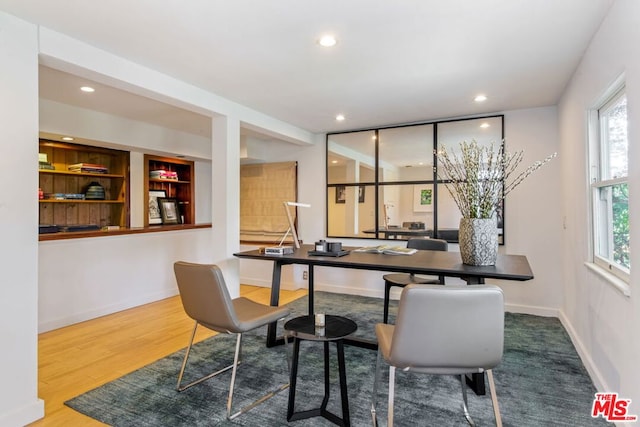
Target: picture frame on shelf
pixel 423 198
pixel 169 210
pixel 154 208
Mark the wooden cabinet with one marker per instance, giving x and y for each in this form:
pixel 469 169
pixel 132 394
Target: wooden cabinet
pixel 177 182
pixel 64 202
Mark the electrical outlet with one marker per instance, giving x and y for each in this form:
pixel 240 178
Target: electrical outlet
pixel 305 275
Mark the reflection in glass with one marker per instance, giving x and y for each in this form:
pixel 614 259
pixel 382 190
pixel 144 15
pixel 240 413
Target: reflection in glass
pixel 406 210
pixel 350 210
pixel 406 153
pixel 351 157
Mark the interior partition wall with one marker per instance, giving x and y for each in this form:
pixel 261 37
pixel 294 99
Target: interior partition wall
pixel 383 183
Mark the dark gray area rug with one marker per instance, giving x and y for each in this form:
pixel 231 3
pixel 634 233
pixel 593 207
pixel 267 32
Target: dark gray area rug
pixel 540 382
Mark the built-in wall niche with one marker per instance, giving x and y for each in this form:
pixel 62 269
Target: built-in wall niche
pixel 169 188
pixel 383 183
pixel 82 188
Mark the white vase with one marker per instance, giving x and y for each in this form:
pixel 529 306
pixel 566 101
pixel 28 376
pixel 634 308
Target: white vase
pixel 478 239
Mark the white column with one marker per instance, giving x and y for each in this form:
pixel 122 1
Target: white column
pixel 225 185
pixel 19 403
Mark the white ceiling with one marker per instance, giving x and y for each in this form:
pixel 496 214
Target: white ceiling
pixel 395 61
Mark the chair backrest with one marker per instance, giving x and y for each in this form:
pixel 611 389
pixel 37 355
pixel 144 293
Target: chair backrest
pixel 449 329
pixel 205 297
pixel 422 243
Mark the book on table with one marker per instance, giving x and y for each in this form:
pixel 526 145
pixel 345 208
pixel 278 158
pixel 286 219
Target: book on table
pixel 387 250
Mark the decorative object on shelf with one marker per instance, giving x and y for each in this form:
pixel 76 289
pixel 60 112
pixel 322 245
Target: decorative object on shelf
pixel 154 209
pixel 94 191
pixel 163 174
pixel 88 168
pixel 478 179
pixel 169 210
pixel 46 166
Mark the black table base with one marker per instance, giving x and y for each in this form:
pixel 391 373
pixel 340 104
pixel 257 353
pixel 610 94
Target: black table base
pixel 335 328
pixel 322 410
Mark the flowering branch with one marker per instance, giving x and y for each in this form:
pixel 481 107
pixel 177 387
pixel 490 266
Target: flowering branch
pixel 481 176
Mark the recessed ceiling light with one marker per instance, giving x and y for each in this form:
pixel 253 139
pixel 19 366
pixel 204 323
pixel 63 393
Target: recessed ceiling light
pixel 480 98
pixel 67 138
pixel 334 161
pixel 485 125
pixel 87 89
pixel 340 117
pixel 327 41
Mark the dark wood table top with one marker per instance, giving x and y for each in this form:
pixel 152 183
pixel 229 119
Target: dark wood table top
pixel 508 267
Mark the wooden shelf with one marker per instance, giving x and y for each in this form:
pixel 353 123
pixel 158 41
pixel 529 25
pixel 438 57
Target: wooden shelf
pixel 181 189
pixel 80 201
pixel 69 173
pixel 169 181
pixel 62 212
pixel 123 231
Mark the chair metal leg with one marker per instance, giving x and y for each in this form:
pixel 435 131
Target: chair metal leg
pixel 252 405
pixel 465 404
pixel 374 398
pixel 234 367
pixel 494 398
pixel 387 294
pixel 184 364
pixel 392 386
pixel 233 375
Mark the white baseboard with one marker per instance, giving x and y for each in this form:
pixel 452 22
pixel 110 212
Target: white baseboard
pixel 24 415
pixel 530 309
pixel 591 367
pixel 78 317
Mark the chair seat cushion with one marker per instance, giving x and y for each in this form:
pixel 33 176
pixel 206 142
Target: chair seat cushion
pixel 251 315
pixel 404 279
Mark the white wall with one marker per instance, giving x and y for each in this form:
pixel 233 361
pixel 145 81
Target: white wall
pixel 533 220
pixel 603 322
pixel 81 278
pixel 19 403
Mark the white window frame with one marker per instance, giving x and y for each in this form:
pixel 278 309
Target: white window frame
pixel 597 158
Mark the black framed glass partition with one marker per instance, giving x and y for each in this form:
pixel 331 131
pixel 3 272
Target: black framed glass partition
pixel 382 183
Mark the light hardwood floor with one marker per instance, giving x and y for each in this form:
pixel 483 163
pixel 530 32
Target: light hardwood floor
pixel 78 358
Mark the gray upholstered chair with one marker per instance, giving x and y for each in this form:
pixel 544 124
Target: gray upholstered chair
pixel 404 279
pixel 206 300
pixel 442 330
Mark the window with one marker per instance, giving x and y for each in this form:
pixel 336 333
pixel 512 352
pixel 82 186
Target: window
pixel 610 191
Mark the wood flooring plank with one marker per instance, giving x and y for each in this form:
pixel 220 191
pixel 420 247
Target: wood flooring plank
pixel 81 357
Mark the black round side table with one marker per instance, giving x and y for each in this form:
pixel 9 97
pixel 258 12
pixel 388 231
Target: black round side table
pixel 336 328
